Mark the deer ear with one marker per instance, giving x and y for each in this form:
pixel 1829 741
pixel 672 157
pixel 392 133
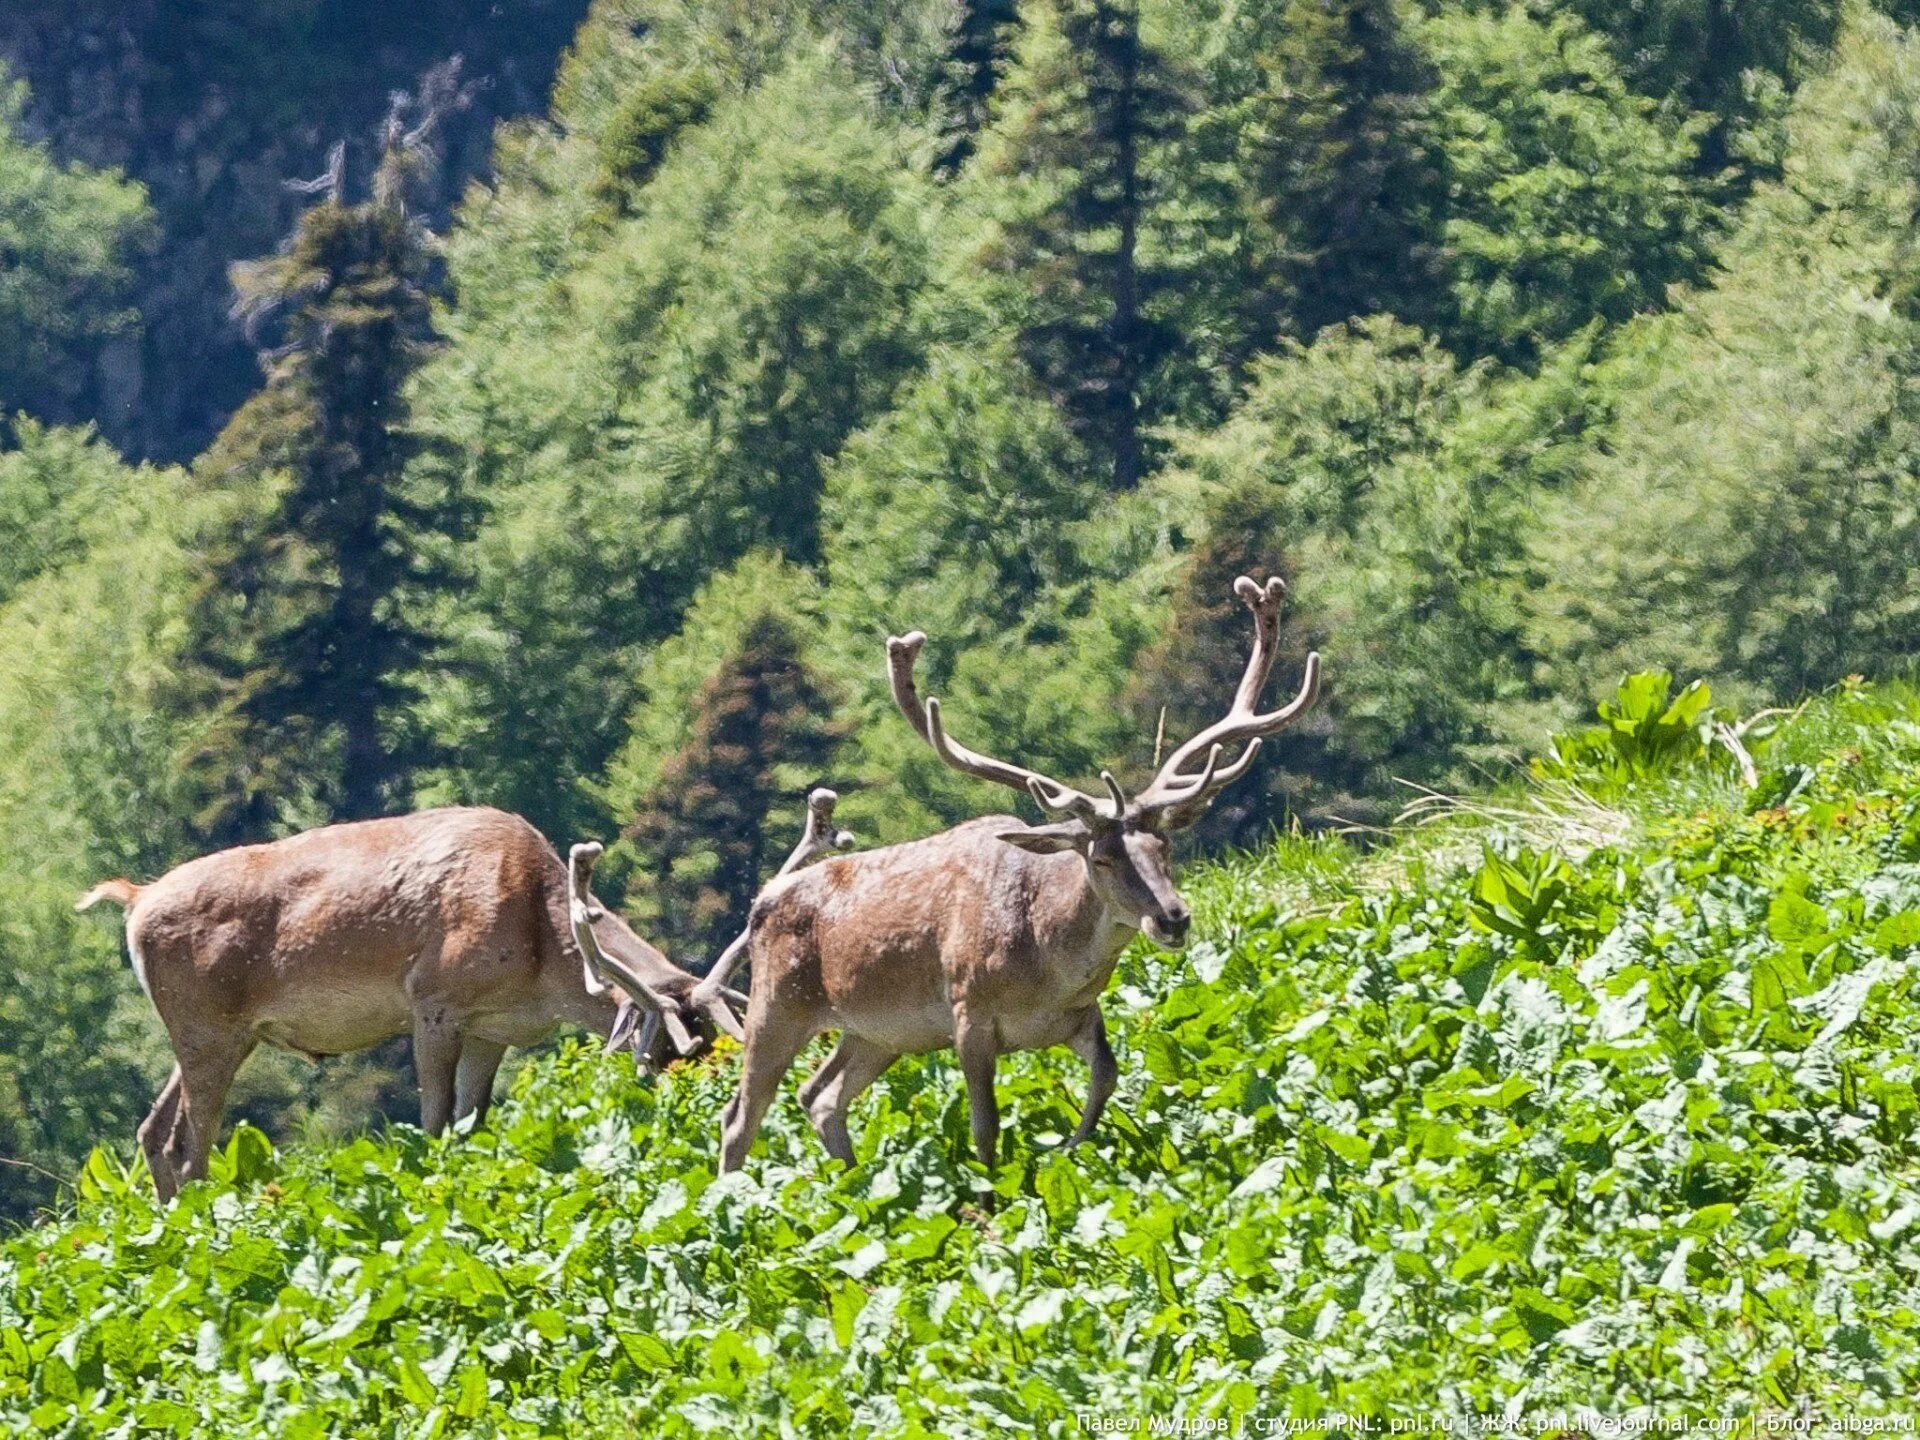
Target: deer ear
pixel 1048 839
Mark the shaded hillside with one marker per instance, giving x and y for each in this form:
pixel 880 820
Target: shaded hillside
pixel 213 105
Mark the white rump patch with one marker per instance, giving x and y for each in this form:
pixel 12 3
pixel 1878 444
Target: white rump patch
pixel 139 964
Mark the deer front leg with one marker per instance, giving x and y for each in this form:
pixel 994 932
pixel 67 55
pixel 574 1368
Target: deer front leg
pixel 1103 1071
pixel 974 1042
pixel 436 1056
pixel 473 1077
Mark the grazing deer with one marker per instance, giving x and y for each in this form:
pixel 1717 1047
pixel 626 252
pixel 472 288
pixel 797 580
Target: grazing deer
pixel 816 840
pixel 452 923
pixel 991 937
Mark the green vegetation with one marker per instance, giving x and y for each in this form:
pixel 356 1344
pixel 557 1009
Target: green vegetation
pixel 63 233
pixel 1601 1093
pixel 1534 344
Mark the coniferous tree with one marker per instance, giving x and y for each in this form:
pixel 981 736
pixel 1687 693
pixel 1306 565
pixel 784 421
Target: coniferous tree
pixel 1345 168
pixel 1720 59
pixel 1096 104
pixel 638 133
pixel 304 634
pixel 1185 680
pixel 980 51
pixel 1568 192
pixel 724 805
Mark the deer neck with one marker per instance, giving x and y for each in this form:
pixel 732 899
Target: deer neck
pixel 1071 916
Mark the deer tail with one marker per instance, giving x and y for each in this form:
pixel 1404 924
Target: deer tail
pixel 121 891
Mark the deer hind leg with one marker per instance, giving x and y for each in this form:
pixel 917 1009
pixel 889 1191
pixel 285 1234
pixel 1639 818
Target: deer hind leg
pixel 154 1133
pixel 206 1074
pixel 979 1051
pixel 828 1072
pixel 1089 1042
pixel 772 1043
pixel 436 1056
pixel 854 1065
pixel 473 1077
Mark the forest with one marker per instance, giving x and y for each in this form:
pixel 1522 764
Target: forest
pixel 598 423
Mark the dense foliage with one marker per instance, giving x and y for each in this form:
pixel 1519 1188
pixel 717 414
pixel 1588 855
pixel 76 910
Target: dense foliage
pixel 217 107
pixel 1532 344
pixel 1600 1097
pixel 64 231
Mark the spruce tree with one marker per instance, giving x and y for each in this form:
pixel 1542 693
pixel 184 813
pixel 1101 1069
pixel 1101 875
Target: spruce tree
pixel 977 56
pixel 304 631
pixel 1185 680
pixel 730 801
pixel 1345 169
pixel 1097 105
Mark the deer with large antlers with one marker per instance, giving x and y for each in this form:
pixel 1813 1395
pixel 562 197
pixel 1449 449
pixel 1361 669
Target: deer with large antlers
pixel 451 923
pixel 991 937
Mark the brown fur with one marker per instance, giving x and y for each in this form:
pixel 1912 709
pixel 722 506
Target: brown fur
pixel 989 937
pixel 450 923
pixel 960 940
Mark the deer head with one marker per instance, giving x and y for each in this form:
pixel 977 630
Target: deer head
pixel 649 995
pixel 1124 841
pixel 642 1007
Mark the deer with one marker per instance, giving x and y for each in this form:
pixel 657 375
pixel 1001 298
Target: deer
pixel 640 1025
pixel 452 923
pixel 991 937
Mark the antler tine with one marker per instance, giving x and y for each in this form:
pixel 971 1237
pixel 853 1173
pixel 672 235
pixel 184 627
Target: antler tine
pixel 1184 784
pixel 1048 793
pixel 902 653
pixel 602 971
pixel 816 839
pixel 1264 601
pixel 1172 786
pixel 819 836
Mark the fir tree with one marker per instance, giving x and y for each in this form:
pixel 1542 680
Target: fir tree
pixel 1185 680
pixel 303 629
pixel 731 798
pixel 1099 103
pixel 1345 169
pixel 981 48
pixel 637 135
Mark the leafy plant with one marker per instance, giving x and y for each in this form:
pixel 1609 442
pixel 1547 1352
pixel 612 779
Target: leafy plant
pixel 1645 729
pixel 1636 1131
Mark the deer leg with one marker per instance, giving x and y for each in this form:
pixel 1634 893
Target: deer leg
pixel 978 1053
pixel 154 1133
pixel 436 1055
pixel 829 1070
pixel 854 1065
pixel 1103 1071
pixel 772 1045
pixel 206 1074
pixel 473 1077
